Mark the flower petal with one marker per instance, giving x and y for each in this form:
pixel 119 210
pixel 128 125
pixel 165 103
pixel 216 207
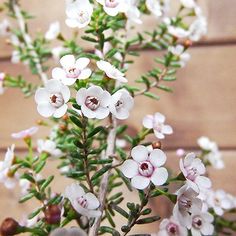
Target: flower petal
pixel 65 91
pixel 166 129
pixel 148 121
pixel 45 109
pixel 67 61
pixel 157 157
pixel 159 117
pixel 41 95
pixel 82 63
pixel 129 168
pixel 203 181
pixel 92 201
pixel 61 111
pixel 58 73
pixel 139 153
pixel 85 74
pixel 81 96
pixel 53 85
pixel 140 182
pixel 159 176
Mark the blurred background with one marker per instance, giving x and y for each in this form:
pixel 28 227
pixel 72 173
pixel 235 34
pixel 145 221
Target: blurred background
pixel 203 102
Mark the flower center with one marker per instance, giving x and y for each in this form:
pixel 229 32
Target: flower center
pixel 56 100
pixel 197 222
pixel 119 104
pixel 92 103
pixel 172 229
pixel 184 203
pixel 146 169
pixel 192 173
pixel 111 3
pixel 73 73
pixel 83 202
pixel 83 16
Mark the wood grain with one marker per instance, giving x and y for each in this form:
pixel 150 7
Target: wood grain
pixel 10 207
pixel 202 103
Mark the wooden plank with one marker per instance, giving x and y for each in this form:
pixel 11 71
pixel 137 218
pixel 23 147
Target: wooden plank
pixel 220 15
pixel 10 207
pixel 202 103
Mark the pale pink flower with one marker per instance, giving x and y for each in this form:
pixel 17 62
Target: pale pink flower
pixel 180 53
pixel 157 123
pixel 112 7
pixel 193 170
pixel 187 202
pixel 145 167
pixel 72 70
pixel 85 204
pixel 188 3
pixel 50 147
pixel 171 227
pixel 25 133
pixel 53 31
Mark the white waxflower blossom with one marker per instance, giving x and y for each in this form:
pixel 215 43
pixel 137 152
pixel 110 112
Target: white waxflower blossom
pixel 132 12
pixel 15 57
pixel 7 177
pixel 57 51
pixel 157 123
pixel 187 202
pixel 50 147
pixel 202 223
pixel 52 99
pixel 2 77
pixel 112 7
pixel 85 204
pixel 25 133
pixel 180 53
pixel 213 155
pixel 78 13
pixel 188 3
pixel 121 103
pixel 94 102
pixel 198 29
pixel 193 170
pixel 5 28
pixel 53 31
pixel 154 6
pixel 111 71
pixel 145 167
pixel 171 227
pixel 178 32
pixel 219 201
pixel 68 232
pixel 72 69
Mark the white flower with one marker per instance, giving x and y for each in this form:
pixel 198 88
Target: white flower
pixel 121 143
pixel 72 69
pixel 157 123
pixel 202 223
pixel 53 31
pixel 94 102
pixel 132 12
pixel 15 57
pixel 4 27
pixel 187 202
pixel 79 13
pixel 178 32
pixel 26 184
pixel 121 103
pixel 111 71
pixel 52 99
pixel 57 51
pixel 25 133
pixel 180 53
pixel 112 7
pixel 84 203
pixel 154 6
pixel 193 170
pixel 188 3
pixel 145 167
pixel 219 201
pixel 7 177
pixel 171 227
pixel 68 232
pixel 213 154
pixel 2 77
pixel 49 147
pixel 198 28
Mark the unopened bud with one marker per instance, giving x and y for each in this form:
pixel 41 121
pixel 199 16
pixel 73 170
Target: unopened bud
pixel 63 127
pixel 65 117
pixel 156 145
pixel 53 214
pixel 9 227
pixel 188 43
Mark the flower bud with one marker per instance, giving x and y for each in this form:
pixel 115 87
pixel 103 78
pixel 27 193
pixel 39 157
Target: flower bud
pixel 63 127
pixel 9 227
pixel 156 145
pixel 53 214
pixel 65 117
pixel 188 43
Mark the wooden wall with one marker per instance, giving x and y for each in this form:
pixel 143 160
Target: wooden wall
pixel 203 102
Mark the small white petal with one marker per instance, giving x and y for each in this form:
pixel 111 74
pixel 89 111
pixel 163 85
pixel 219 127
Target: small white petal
pixel 82 63
pixel 159 117
pixel 129 168
pixel 148 121
pixel 167 129
pixel 140 182
pixel 160 176
pixel 67 61
pixel 61 111
pixel 45 109
pixel 85 74
pixel 92 200
pixel 157 157
pixel 139 153
pixel 41 95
